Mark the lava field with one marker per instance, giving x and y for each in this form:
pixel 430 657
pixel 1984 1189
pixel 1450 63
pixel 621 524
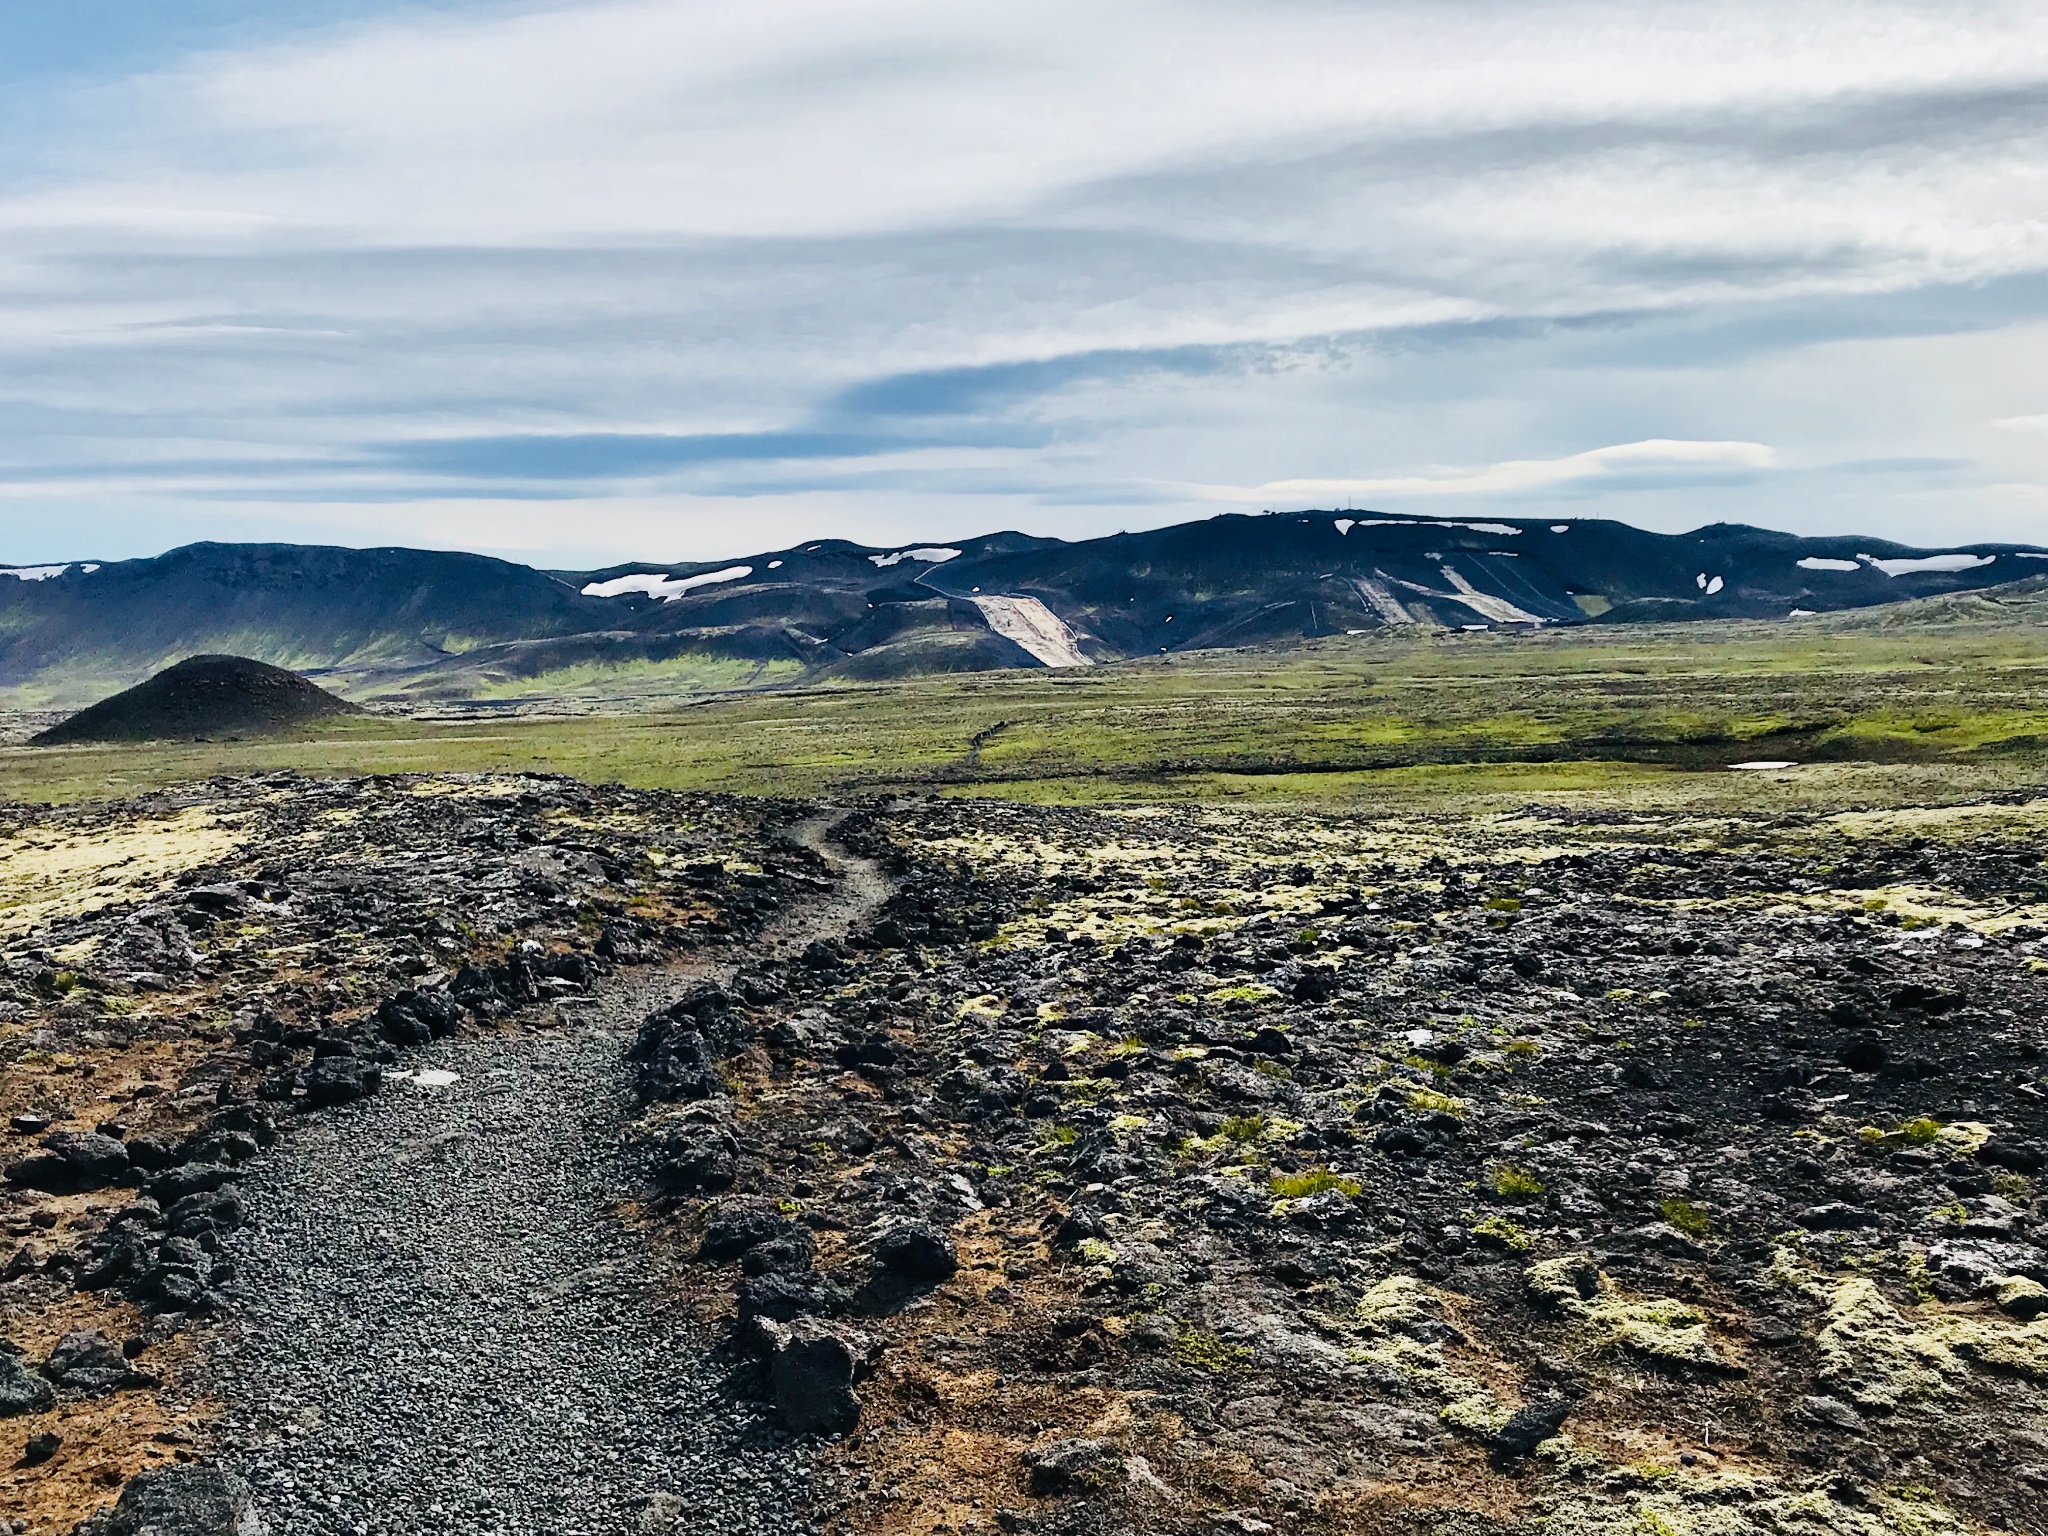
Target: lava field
pixel 1117 1170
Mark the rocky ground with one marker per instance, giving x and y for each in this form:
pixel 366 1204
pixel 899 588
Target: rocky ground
pixel 1210 1172
pixel 1126 1171
pixel 194 976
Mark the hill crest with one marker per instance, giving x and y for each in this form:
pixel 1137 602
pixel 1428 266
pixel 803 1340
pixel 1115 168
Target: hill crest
pixel 434 624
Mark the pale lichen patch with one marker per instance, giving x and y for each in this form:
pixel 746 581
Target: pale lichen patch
pixel 51 871
pixel 1882 1360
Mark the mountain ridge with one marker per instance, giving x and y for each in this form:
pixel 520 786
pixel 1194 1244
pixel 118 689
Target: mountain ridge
pixel 425 624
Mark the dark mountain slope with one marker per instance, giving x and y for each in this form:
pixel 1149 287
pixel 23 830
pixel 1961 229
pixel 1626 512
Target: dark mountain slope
pixel 202 696
pixel 307 607
pixel 1241 580
pixel 453 626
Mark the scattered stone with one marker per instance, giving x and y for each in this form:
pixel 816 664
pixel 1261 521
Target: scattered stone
pixel 812 1370
pixel 191 1500
pixel 21 1390
pixel 73 1161
pixel 1072 1466
pixel 918 1251
pixel 88 1361
pixel 1832 1413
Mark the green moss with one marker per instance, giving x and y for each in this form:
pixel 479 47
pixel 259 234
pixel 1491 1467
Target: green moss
pixel 1204 1351
pixel 1499 1232
pixel 1510 1181
pixel 1480 1415
pixel 1730 1504
pixel 1660 1329
pixel 1429 1099
pixel 1871 1354
pixel 1394 1305
pixel 1563 1284
pixel 1241 994
pixel 1242 1130
pixel 1687 1217
pixel 1313 1181
pixel 1653 1328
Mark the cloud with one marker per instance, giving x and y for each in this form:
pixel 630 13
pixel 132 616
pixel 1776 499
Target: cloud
pixel 2022 424
pixel 1514 476
pixel 1014 263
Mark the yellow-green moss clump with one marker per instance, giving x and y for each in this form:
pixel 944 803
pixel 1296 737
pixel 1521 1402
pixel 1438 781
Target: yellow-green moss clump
pixel 1880 1359
pixel 1400 1332
pixel 1655 1328
pixel 1479 1415
pixel 2020 1297
pixel 1398 1304
pixel 1734 1505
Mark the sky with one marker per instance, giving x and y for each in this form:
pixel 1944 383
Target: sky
pixel 577 283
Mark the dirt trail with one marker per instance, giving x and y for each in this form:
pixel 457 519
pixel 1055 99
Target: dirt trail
pixel 445 1325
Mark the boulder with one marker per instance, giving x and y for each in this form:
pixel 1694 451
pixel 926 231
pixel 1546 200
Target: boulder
pixel 21 1389
pixel 180 1501
pixel 917 1250
pixel 675 1053
pixel 1529 1426
pixel 781 1296
pixel 219 1210
pixel 341 1080
pixel 693 1156
pixel 2018 1156
pixel 1072 1466
pixel 193 1178
pixel 1835 1216
pixel 88 1361
pixel 72 1162
pixel 812 1369
pixel 414 1018
pixel 738 1225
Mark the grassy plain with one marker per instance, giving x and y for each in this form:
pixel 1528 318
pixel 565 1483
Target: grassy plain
pixel 1916 704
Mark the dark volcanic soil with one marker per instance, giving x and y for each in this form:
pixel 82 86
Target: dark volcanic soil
pixel 1315 1173
pixel 205 697
pixel 1546 1173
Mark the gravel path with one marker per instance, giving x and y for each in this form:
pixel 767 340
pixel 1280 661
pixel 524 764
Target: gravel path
pixel 444 1328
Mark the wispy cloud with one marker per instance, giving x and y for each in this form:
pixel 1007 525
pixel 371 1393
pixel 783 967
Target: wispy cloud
pixel 1016 263
pixel 1511 476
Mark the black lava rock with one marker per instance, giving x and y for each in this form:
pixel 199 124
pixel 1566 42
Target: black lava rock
pixel 180 1501
pixel 21 1389
pixel 694 1157
pixel 918 1251
pixel 341 1080
pixel 1071 1466
pixel 812 1369
pixel 738 1225
pixel 72 1162
pixel 88 1361
pixel 1529 1426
